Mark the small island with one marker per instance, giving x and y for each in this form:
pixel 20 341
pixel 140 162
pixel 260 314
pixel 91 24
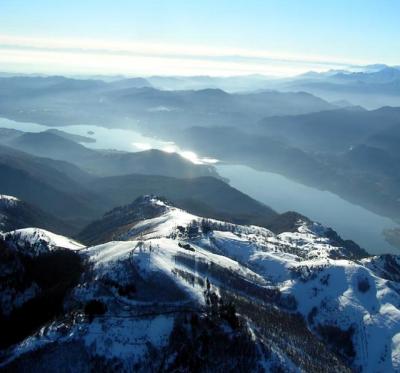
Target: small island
pixel 71 136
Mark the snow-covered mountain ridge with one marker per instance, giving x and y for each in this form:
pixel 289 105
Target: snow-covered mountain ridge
pixel 36 241
pixel 8 200
pixel 300 301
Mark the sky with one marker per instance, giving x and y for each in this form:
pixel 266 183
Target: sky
pixel 202 37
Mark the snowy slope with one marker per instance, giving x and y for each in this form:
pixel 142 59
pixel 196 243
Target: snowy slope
pixel 301 263
pixel 36 241
pixel 17 275
pixel 164 265
pixel 6 200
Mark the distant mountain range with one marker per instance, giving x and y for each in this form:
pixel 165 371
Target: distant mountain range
pixel 62 101
pixel 374 87
pixel 371 86
pixel 368 85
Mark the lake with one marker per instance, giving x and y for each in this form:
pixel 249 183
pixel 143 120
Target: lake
pixel 106 138
pixel 282 194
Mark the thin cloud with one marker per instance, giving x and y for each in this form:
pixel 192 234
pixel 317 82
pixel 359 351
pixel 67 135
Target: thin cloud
pixel 105 56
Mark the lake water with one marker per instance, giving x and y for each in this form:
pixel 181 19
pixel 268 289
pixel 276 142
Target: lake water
pixel 119 139
pixel 282 194
pixel 349 220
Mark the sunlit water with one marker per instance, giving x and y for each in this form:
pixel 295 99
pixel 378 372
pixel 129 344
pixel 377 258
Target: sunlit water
pixel 118 139
pixel 349 220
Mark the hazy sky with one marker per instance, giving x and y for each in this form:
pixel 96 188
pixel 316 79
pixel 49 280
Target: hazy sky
pixel 216 37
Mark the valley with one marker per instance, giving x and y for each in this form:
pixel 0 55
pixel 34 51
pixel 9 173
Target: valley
pixel 363 226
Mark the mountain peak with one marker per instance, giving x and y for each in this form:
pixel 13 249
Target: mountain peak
pixel 7 201
pixel 35 241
